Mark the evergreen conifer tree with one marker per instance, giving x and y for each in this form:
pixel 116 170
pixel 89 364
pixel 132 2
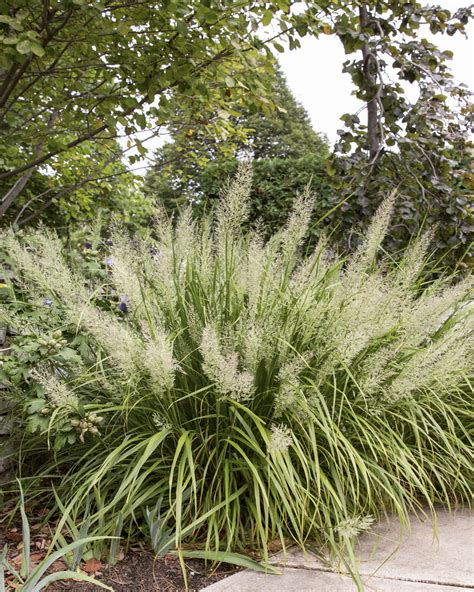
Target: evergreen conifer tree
pixel 287 153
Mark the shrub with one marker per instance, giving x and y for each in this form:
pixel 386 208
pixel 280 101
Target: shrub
pixel 259 394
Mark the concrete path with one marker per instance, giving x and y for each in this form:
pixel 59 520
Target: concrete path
pixel 421 560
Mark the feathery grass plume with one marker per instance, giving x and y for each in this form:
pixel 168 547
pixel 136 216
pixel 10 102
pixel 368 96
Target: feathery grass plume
pixel 160 423
pixel 367 252
pixel 56 273
pixel 184 239
pixel 75 299
pixel 43 269
pixel 443 364
pixel 414 261
pixel 289 377
pixel 203 250
pixel 431 310
pixel 250 271
pixel 366 312
pixel 253 342
pixel 233 209
pixel 280 439
pixel 158 360
pixel 41 266
pixel 352 527
pixel 24 261
pixel 259 393
pixel 57 392
pixel 125 269
pixel 310 269
pixel 6 316
pixel 161 269
pixel 122 346
pixel 297 226
pixel 377 369
pixel 222 368
pixel 194 324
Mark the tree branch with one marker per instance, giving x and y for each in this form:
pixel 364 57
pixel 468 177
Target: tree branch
pixel 20 184
pixel 9 86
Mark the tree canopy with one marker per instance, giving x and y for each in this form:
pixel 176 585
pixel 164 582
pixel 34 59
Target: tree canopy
pixel 77 73
pixel 77 76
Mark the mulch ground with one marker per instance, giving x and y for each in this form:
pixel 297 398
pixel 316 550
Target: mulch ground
pixel 138 571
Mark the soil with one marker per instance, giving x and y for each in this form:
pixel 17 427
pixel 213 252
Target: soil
pixel 140 571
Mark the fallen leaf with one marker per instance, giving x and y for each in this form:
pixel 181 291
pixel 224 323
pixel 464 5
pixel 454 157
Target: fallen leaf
pixel 16 561
pixel 14 535
pixel 58 565
pixel 45 543
pixel 93 565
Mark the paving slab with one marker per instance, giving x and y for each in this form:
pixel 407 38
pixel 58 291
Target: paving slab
pixel 442 552
pixel 302 580
pixel 428 558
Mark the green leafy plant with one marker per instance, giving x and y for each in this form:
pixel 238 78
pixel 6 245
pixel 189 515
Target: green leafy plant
pixel 259 393
pixel 34 579
pixel 162 538
pixel 195 53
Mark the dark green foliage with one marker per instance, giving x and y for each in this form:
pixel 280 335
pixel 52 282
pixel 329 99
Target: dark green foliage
pixel 288 156
pixel 276 182
pixel 441 202
pixel 62 199
pixel 421 149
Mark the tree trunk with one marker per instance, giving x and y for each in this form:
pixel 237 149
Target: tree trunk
pixel 373 123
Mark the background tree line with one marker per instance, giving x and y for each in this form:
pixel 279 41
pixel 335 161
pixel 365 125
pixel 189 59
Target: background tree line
pixel 76 77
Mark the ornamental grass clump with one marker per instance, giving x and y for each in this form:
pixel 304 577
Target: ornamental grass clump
pixel 259 394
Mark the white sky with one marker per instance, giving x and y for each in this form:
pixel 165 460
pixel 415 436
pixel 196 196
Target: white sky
pixel 314 73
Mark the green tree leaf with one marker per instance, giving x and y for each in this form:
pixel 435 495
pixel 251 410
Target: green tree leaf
pixel 24 46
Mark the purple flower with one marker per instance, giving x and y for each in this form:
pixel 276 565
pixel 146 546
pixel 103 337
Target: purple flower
pixel 87 245
pixel 109 261
pixel 47 302
pixel 123 303
pixel 109 243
